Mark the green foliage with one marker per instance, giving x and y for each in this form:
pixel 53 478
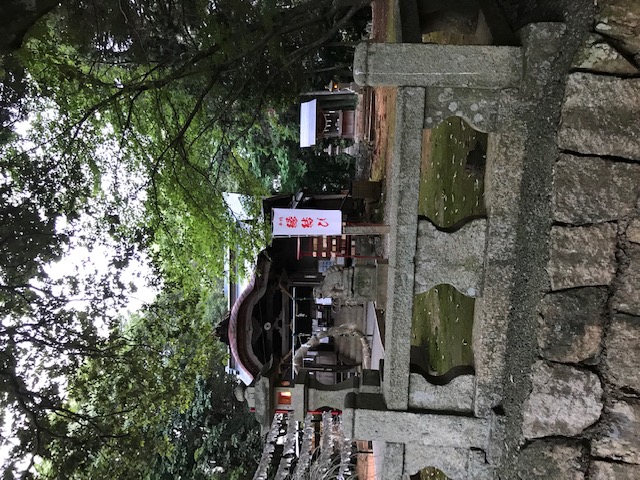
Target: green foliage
pixel 215 437
pixel 136 125
pixel 158 405
pixel 327 173
pixel 273 146
pixel 49 323
pixel 214 305
pixel 170 103
pixel 93 394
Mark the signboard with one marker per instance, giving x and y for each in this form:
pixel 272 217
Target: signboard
pixel 308 123
pixel 306 223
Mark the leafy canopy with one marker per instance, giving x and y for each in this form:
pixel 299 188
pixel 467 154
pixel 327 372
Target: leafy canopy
pixel 169 92
pixel 136 123
pixel 158 405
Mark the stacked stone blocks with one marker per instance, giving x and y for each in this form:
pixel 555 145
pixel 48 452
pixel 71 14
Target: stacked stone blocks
pixel 589 322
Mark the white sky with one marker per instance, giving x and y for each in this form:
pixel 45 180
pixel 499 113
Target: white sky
pixel 82 260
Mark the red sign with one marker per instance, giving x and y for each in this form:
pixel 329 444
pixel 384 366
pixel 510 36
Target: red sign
pixel 292 222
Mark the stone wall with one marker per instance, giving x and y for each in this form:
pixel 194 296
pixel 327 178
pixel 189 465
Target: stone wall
pixel 581 419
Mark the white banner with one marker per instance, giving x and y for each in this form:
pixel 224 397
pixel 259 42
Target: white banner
pixel 308 112
pixel 306 223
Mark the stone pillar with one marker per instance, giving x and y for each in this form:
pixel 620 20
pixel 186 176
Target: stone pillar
pixel 455 444
pixel 404 186
pixel 393 466
pixel 505 157
pixel 511 150
pixel 400 64
pixel 425 429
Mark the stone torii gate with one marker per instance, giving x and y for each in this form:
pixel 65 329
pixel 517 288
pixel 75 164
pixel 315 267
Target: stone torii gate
pixel 493 88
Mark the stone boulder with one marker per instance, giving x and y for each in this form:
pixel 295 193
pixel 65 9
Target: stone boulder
pixel 596 55
pixel 593 190
pixel 599 116
pixel 620 21
pixel 571 324
pixel 599 470
pixel 619 437
pixel 551 459
pixel 627 293
pixel 564 401
pixel 623 352
pixel 582 256
pixel 633 231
